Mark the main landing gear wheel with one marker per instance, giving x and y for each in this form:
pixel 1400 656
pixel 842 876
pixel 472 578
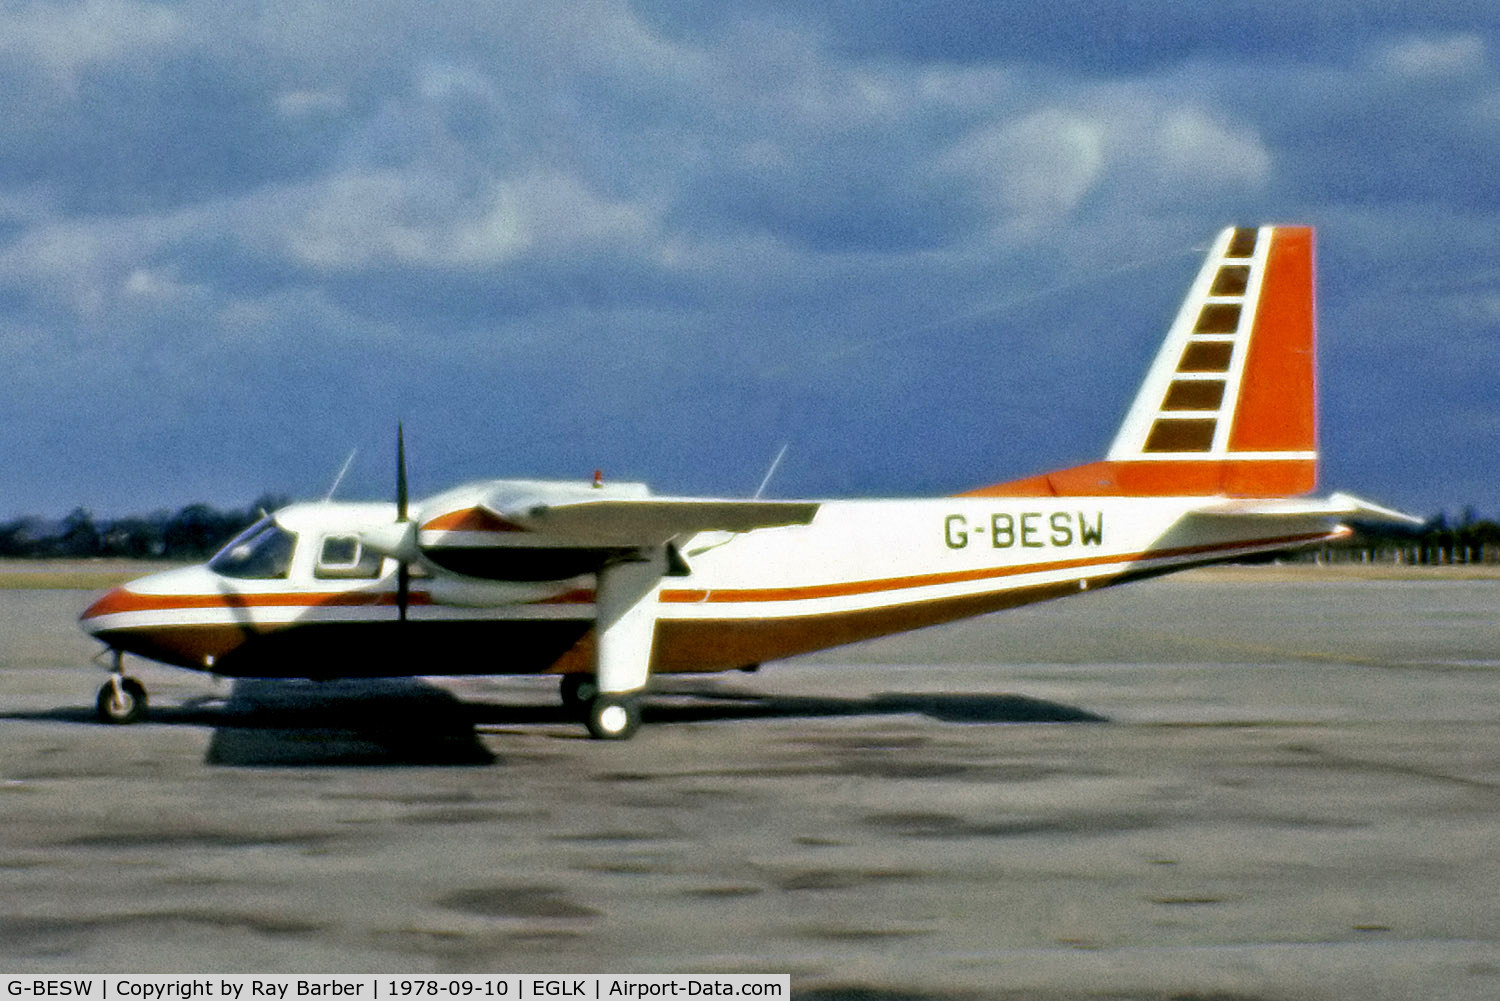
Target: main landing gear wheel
pixel 121 701
pixel 577 691
pixel 613 717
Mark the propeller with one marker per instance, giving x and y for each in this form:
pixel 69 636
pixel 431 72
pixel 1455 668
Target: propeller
pixel 398 539
pixel 403 567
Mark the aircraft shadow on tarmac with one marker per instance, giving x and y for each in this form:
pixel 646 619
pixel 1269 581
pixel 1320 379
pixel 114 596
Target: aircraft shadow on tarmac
pixel 407 721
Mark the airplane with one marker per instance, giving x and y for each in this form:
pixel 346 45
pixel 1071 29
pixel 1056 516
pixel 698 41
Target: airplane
pixel 606 584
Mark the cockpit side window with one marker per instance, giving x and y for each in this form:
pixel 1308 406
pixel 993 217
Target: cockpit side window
pixel 261 552
pixel 343 557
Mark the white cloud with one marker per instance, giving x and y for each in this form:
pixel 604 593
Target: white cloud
pixel 1037 168
pixel 1195 148
pixel 73 264
pixel 310 103
pixel 1479 315
pixel 421 218
pixel 158 285
pixel 68 38
pixel 358 220
pixel 439 81
pixel 23 206
pixel 1137 151
pixel 604 35
pixel 567 215
pixel 1431 58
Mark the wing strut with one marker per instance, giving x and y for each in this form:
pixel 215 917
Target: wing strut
pixel 625 628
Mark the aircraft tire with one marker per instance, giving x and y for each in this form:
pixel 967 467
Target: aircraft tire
pixel 613 717
pixel 128 705
pixel 577 691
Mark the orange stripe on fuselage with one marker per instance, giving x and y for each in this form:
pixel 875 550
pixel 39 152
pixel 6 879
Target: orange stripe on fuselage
pixel 123 600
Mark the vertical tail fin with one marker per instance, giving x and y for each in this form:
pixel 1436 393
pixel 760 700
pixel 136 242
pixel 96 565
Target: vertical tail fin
pixel 1233 382
pixel 1229 405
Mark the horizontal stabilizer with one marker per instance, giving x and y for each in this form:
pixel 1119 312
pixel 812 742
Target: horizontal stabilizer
pixel 1344 507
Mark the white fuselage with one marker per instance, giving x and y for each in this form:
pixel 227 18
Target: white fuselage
pixel 860 569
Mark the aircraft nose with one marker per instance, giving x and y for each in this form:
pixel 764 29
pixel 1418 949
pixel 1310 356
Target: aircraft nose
pixel 112 601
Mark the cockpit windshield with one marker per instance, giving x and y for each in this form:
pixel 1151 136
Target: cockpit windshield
pixel 261 552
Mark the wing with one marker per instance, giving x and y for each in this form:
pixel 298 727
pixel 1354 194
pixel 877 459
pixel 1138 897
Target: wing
pixel 658 520
pixel 533 531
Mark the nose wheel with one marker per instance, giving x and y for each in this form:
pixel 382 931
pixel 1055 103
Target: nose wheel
pixel 122 699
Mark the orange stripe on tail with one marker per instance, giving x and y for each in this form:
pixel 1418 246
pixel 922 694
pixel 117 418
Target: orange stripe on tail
pixel 1277 409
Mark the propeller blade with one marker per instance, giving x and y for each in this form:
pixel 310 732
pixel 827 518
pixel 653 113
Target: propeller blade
pixel 400 474
pixel 403 589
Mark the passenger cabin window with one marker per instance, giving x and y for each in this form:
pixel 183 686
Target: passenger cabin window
pixel 344 558
pixel 261 552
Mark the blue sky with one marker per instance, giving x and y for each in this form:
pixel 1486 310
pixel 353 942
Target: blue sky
pixel 928 246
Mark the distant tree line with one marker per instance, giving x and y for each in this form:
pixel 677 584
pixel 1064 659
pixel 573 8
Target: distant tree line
pixel 1439 542
pixel 190 534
